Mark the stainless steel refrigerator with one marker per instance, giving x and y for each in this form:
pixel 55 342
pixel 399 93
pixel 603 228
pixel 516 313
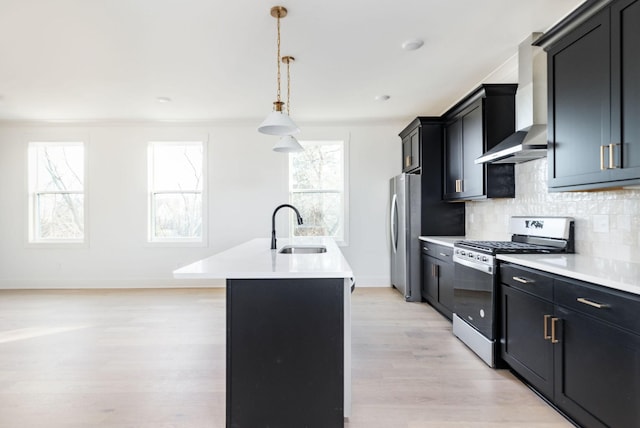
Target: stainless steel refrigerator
pixel 404 222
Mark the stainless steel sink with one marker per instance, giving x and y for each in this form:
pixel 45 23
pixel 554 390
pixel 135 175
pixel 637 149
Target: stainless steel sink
pixel 300 249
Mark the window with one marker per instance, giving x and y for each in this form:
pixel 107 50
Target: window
pixel 317 189
pixel 175 191
pixel 56 192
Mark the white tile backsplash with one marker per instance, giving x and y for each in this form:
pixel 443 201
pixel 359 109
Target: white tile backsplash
pixel 607 221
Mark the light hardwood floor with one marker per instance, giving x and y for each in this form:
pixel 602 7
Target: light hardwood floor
pixel 155 359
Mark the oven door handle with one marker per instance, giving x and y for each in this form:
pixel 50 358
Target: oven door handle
pixel 480 267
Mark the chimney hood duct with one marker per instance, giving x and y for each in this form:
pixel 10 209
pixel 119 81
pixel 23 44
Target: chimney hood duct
pixel 530 141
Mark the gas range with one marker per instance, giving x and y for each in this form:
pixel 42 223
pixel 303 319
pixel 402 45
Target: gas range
pixel 476 280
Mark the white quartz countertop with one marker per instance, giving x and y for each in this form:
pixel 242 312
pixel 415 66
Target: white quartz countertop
pixel 254 259
pixel 442 240
pixel 614 274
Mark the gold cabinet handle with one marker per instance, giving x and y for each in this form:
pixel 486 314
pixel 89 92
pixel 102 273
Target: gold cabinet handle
pixel 546 328
pixel 444 255
pixel 407 161
pixel 553 330
pixel 602 167
pixel 523 280
pixel 592 303
pixel 459 186
pixel 612 164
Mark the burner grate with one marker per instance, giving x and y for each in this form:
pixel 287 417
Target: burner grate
pixel 507 246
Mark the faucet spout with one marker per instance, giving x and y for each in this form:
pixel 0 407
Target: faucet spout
pixel 273 222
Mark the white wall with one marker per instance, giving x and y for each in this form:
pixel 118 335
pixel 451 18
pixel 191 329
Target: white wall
pixel 246 182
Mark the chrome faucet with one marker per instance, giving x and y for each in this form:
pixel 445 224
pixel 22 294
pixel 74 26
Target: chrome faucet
pixel 273 222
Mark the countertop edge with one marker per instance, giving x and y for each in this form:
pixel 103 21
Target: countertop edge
pixel 254 260
pixel 442 240
pixel 578 269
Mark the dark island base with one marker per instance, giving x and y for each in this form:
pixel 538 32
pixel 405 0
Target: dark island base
pixel 285 353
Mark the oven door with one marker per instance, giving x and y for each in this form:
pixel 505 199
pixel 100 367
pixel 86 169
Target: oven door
pixel 474 295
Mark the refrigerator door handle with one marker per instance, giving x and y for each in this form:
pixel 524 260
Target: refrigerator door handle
pixel 393 218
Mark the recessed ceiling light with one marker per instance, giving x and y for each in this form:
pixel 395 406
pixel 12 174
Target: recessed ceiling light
pixel 382 97
pixel 163 100
pixel 412 44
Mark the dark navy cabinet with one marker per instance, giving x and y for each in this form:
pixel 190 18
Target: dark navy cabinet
pixel 594 97
pixel 474 125
pixel 577 343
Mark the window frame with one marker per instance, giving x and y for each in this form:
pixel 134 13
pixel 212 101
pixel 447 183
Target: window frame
pixel 152 191
pixel 33 237
pixel 344 241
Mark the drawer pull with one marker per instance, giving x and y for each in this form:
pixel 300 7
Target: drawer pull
pixel 523 280
pixel 444 255
pixel 591 303
pixel 425 248
pixel 553 330
pixel 546 328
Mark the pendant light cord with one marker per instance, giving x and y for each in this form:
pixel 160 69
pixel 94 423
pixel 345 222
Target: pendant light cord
pixel 278 58
pixel 288 88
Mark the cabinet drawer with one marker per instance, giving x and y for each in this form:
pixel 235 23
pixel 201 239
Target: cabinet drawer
pixel 440 252
pixel 526 280
pixel 616 307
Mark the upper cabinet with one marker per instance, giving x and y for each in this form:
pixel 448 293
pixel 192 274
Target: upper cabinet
pixel 411 148
pixel 474 125
pixel 422 145
pixel 594 97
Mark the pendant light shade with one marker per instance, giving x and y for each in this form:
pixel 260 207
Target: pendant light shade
pixel 288 144
pixel 278 123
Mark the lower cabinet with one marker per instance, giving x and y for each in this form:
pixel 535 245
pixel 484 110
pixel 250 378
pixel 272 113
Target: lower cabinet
pixel 285 353
pixel 437 277
pixel 576 343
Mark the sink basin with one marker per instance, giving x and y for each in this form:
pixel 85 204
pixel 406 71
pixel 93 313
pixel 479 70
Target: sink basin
pixel 294 249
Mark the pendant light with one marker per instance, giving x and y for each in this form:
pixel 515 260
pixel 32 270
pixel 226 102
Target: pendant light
pixel 288 143
pixel 278 122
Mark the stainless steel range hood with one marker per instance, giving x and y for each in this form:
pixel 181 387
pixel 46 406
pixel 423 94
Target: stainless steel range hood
pixel 530 141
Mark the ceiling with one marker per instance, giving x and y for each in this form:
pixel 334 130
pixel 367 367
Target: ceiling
pixel 90 60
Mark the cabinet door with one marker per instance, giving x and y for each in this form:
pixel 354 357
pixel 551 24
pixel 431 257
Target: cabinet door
pixel 625 89
pixel 453 160
pixel 430 279
pixel 579 103
pixel 411 151
pixel 597 367
pixel 472 148
pixel 445 289
pixel 525 337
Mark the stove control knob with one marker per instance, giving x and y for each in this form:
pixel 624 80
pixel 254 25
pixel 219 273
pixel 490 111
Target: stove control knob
pixel 478 257
pixel 463 252
pixel 485 259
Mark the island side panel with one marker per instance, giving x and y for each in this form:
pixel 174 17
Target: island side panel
pixel 285 352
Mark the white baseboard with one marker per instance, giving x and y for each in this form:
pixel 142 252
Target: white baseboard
pixel 52 284
pixel 372 281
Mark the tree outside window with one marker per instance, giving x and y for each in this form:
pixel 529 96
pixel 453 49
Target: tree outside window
pixel 317 188
pixel 175 191
pixel 56 192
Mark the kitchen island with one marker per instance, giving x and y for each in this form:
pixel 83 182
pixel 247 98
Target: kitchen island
pixel 288 332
